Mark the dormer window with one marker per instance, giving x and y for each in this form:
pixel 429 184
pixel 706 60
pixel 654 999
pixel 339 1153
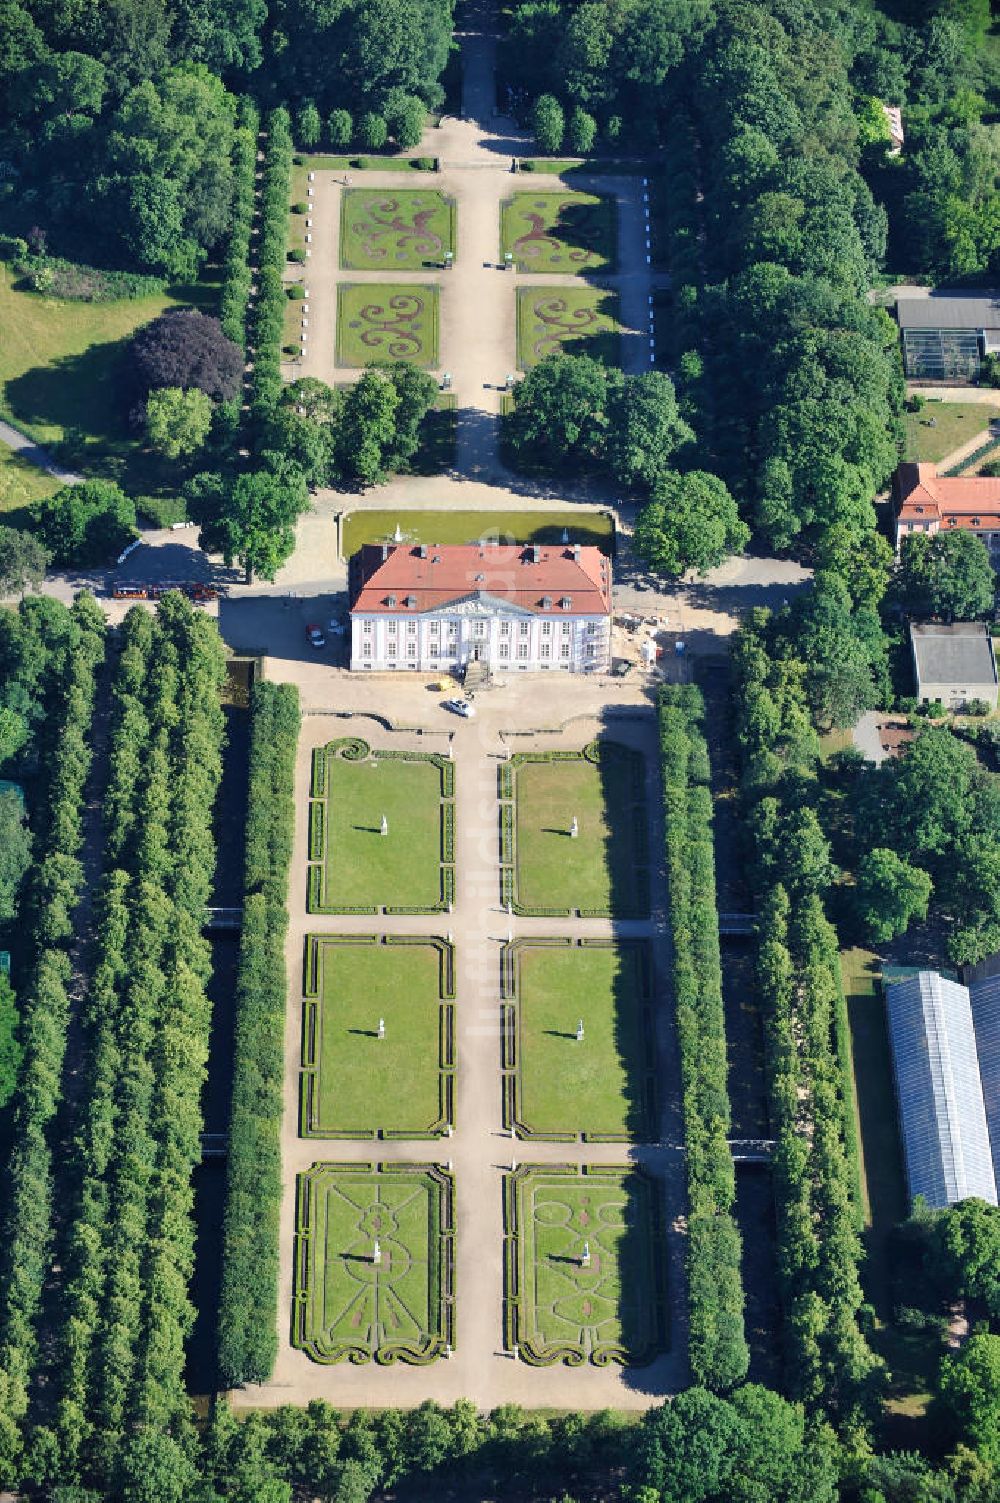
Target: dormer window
pixel 391 601
pixel 976 522
pixel 546 602
pixel 919 509
pixel 410 601
pixel 566 603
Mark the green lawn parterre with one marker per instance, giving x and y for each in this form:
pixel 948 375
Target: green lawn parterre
pixel 560 1088
pixel 559 1309
pixel 534 526
pixel 395 229
pixel 567 321
pixel 347 1306
pixel 386 321
pixel 561 232
pixel 355 1084
pixel 603 871
pixel 354 867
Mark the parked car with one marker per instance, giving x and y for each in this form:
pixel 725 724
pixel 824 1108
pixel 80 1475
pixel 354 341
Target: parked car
pixel 336 628
pixel 314 636
pixel 459 707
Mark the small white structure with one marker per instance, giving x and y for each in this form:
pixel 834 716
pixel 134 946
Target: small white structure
pixel 381 1028
pixel 574 828
pixel 384 829
pixel 377 1253
pixel 579 1031
pixel 585 1260
pixel 954 663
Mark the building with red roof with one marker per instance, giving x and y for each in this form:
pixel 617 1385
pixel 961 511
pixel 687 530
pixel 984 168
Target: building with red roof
pixel 525 608
pixel 929 502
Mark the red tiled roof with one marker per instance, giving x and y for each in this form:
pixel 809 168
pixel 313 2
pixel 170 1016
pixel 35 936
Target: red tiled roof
pixel 426 578
pixel 971 501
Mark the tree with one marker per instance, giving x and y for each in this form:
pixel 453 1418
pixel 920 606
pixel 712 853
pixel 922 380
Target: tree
pixel 15 850
pixel 966 1250
pixel 548 123
pixel 948 574
pixel 417 393
pixel 185 348
pixel 844 649
pixel 970 1390
pixel 644 429
pixel 308 125
pixel 11 1052
pixel 85 524
pixel 178 421
pixel 253 518
pixel 691 522
pixel 340 128
pixel 559 412
pixel 367 427
pixel 581 130
pixel 23 561
pixel 373 132
pixel 890 893
pixel 13 733
pixel 405 119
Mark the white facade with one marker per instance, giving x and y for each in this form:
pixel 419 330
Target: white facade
pixel 480 628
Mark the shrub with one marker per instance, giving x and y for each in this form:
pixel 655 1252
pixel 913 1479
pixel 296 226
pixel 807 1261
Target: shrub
pixel 297 255
pixel 295 293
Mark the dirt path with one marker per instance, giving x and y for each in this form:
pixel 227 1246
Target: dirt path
pixel 479 1149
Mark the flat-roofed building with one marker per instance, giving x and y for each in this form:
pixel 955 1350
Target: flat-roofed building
pixel 954 662
pixel 942 1112
pixel 946 334
pixel 530 609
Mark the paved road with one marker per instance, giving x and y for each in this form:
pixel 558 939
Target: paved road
pixel 35 454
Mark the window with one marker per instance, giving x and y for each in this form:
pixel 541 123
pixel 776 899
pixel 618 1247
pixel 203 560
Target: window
pixel 411 628
pixel 564 650
pixel 591 628
pixel 479 629
pixel 546 628
pixel 435 628
pixel 566 629
pixel 366 650
pixel 505 628
pixel 435 649
pixel 524 628
pixel 390 648
pixel 391 628
pixel 367 628
pixel 522 649
pixel 591 650
pixel 453 628
pixel 546 650
pixel 411 649
pixel 505 649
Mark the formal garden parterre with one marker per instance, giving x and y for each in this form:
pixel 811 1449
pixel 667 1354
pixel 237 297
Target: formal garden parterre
pixel 374 1268
pixel 584 1268
pixel 378 1048
pixel 602 870
pixel 559 232
pixel 387 321
pixel 567 321
pixel 563 1083
pixel 357 863
pixel 398 229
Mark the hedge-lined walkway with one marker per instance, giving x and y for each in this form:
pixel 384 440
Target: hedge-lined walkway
pixel 480 1151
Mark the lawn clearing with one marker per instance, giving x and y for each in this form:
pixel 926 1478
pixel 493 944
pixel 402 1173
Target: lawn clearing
pixel 353 1304
pixel 21 484
pixel 357 869
pixel 561 232
pixel 355 1084
pixel 585 1274
pixel 955 424
pixel 568 321
pixel 581 525
pixel 603 870
pixel 59 364
pixel 562 1088
pixel 386 321
pixel 395 229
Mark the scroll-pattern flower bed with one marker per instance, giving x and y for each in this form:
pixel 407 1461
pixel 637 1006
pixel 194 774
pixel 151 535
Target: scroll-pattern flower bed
pixel 397 229
pixel 387 321
pixel 572 232
pixel 571 320
pixel 353 1303
pixel 584 1266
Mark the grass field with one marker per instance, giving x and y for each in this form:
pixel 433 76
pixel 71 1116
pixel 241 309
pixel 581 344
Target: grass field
pixel 356 1085
pixel 604 869
pixel 568 321
pixel 59 363
pixel 360 527
pixel 362 870
pixel 395 229
pixel 21 484
pixel 599 1087
pixel 955 423
pixel 561 232
pixel 387 322
pixel 585 1272
pixel 348 1305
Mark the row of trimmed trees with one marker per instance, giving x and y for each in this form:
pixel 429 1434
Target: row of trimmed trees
pixel 828 1362
pixel 124 1312
pixel 248 1303
pixel 51 655
pixel 717 1346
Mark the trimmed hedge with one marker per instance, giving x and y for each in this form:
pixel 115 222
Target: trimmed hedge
pixel 236 274
pixel 269 312
pixel 248 1304
pixel 717 1345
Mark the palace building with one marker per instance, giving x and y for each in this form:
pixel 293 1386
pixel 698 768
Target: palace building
pixel 525 608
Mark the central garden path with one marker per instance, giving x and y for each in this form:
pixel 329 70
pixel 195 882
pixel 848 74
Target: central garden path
pixel 479 1150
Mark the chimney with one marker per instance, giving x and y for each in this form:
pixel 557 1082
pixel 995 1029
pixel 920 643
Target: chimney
pixel 422 550
pixel 385 551
pixel 536 554
pixel 576 552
